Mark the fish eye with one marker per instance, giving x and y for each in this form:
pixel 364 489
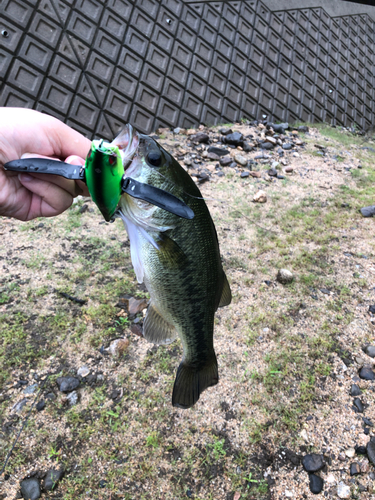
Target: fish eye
pixel 154 158
pixel 112 159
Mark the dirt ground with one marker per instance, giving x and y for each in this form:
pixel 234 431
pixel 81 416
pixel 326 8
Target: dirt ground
pixel 288 354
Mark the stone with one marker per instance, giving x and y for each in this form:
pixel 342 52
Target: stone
pixel 368 211
pixel 18 406
pixel 360 450
pixel 287 146
pixel 40 405
pixel 354 469
pixel 225 131
pixel 371 309
pixel 217 151
pixel 313 462
pixel 67 384
pixel 355 390
pixel 303 128
pixel 284 276
pixel 72 398
pixel 266 145
pixel 245 174
pixel 260 197
pixel 358 404
pixel 350 452
pixel 241 160
pixel 272 172
pixel 136 305
pixel 225 161
pixel 30 489
pixel 272 140
pixel 288 170
pixel 278 128
pixel 343 490
pixel 315 483
pixel 118 347
pixel 83 371
pixel 52 478
pixel 234 139
pixel 255 174
pixel 366 373
pixel 31 389
pixel 371 451
pixel 247 147
pixel 211 156
pixel 200 138
pixel 367 421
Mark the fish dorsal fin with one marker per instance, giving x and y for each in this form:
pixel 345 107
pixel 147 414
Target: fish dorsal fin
pixel 156 330
pixel 226 294
pixel 169 253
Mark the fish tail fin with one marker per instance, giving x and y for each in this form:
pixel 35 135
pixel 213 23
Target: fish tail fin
pixel 192 381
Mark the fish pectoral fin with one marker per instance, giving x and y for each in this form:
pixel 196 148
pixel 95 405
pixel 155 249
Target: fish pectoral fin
pixel 191 382
pixel 156 330
pixel 226 294
pixel 169 253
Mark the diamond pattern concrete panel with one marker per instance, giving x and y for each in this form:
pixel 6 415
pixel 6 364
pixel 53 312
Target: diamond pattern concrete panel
pixel 97 65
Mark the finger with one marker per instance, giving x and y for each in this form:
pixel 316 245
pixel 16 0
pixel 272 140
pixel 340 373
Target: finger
pixel 75 160
pixel 67 185
pixel 48 199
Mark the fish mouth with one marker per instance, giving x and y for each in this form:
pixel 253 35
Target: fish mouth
pixel 127 142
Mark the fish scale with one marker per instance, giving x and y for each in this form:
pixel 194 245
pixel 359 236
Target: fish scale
pixel 179 261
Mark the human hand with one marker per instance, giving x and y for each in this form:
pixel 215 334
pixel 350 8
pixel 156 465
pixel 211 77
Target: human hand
pixel 30 133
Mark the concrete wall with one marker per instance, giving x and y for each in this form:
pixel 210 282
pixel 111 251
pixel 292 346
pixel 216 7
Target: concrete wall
pixel 99 65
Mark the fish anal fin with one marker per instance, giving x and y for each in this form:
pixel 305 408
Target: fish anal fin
pixel 169 253
pixel 226 294
pixel 191 382
pixel 156 330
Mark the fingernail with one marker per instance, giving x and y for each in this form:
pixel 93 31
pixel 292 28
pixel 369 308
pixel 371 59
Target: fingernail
pixel 26 155
pixel 25 177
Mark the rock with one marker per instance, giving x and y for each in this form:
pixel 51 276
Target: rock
pixel 279 128
pixel 31 389
pixel 313 462
pixel 260 197
pixel 266 145
pixel 284 277
pixel 234 139
pixel 355 469
pixel 287 146
pixel 245 174
pixel 272 172
pixel 30 489
pixel 255 174
pixel 83 371
pixel 52 478
pixel 366 373
pixel 72 398
pixel 371 309
pixel 177 130
pixel 343 491
pixel 200 138
pixel 225 131
pixel 350 452
pixel 360 450
pixel 371 451
pixel 315 483
pixel 18 406
pixel 217 151
pixel 241 160
pixel 358 404
pixel 272 140
pixel 67 384
pixel 118 347
pixel 40 406
pixel 303 129
pixel 368 422
pixel 247 147
pixel 190 131
pixel 212 156
pixel 368 211
pixel 355 390
pixel 341 457
pixel 136 305
pixel 288 170
pixel 225 161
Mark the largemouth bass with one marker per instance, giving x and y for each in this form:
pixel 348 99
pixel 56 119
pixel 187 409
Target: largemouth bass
pixel 178 260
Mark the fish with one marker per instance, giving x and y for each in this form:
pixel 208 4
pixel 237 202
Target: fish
pixel 178 260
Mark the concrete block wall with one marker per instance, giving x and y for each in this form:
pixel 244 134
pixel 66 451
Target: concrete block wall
pixel 97 65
